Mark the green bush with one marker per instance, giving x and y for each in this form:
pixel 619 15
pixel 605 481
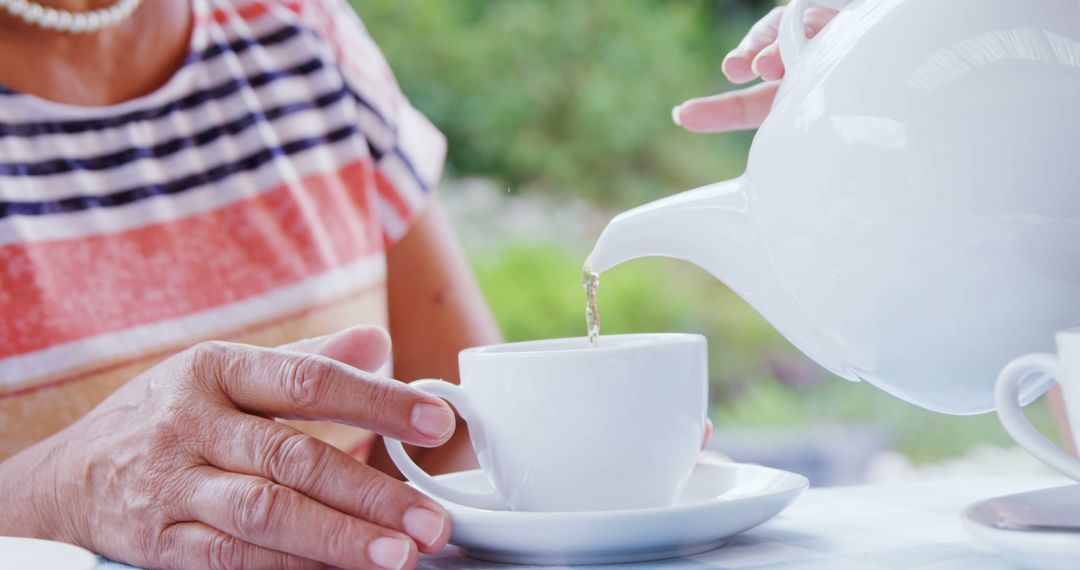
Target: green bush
pixel 568 96
pixel 535 292
pixel 573 98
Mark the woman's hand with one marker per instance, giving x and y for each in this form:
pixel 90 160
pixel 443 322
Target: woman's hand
pixel 758 55
pixel 185 467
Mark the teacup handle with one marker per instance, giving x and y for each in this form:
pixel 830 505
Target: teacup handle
pixel 1007 395
pixel 456 396
pixel 792 34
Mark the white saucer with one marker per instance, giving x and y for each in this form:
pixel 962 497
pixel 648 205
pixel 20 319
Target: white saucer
pixel 1031 529
pixel 720 501
pixel 32 554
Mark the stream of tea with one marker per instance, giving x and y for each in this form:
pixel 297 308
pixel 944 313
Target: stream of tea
pixel 591 281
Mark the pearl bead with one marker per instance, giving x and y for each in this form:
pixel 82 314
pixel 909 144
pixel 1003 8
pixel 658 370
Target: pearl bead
pixel 93 20
pixel 50 18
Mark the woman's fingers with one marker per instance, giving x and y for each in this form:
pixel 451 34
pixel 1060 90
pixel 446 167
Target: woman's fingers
pixel 737 64
pixel 363 347
pixel 816 18
pixel 767 63
pixel 193 545
pixel 276 517
pixel 731 111
pixel 758 55
pixel 273 451
pixel 294 385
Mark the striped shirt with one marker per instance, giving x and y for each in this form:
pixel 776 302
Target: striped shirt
pixel 250 198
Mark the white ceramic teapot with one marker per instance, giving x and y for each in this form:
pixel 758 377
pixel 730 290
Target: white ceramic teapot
pixel 910 213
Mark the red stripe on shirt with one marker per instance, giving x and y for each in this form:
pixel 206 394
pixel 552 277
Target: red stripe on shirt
pixel 163 353
pixel 251 11
pixel 389 192
pixel 61 291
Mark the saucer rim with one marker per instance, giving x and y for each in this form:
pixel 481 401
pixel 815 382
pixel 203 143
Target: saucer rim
pixel 1048 550
pixel 969 519
pixel 796 485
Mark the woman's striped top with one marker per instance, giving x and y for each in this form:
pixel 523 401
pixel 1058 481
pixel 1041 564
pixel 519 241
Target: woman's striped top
pixel 250 198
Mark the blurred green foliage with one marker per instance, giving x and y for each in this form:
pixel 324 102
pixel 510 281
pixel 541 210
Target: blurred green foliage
pixel 535 291
pixel 568 96
pixel 573 98
pixel 759 380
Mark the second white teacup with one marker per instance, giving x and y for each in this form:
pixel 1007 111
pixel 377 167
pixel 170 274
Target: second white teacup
pixel 559 425
pixel 1064 367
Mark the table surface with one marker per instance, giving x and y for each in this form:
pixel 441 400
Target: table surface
pixel 909 525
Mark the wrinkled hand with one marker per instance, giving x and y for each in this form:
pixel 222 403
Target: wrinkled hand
pixel 758 55
pixel 184 466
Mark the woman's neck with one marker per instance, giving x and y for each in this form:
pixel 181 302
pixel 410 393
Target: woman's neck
pixel 101 68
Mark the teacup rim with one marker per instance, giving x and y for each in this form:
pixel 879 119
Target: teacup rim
pixel 622 342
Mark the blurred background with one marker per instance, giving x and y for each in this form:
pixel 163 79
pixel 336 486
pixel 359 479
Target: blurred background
pixel 558 114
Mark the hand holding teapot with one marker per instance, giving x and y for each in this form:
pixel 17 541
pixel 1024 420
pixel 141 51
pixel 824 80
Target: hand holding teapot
pixel 756 56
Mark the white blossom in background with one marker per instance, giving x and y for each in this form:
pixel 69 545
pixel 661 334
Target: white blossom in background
pixel 980 461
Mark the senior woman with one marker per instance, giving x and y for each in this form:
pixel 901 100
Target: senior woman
pixel 178 171
pixel 173 172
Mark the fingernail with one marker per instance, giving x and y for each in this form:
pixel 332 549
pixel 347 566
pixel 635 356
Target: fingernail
pixel 729 58
pixel 424 525
pixel 433 420
pixel 390 553
pixel 675 115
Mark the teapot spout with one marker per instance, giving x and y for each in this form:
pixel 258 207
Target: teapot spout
pixel 709 227
pixel 712 227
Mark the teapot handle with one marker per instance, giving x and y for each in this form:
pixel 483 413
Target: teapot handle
pixel 792 34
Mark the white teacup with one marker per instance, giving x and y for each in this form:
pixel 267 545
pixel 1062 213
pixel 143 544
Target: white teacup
pixel 1063 367
pixel 559 425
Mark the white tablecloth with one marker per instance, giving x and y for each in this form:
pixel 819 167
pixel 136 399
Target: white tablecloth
pixel 912 525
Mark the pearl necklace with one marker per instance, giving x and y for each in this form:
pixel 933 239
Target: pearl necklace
pixel 67 21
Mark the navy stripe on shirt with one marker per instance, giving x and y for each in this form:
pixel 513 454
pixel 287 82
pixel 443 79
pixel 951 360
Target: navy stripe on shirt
pixel 188 102
pixel 113 160
pixel 214 50
pixel 197 98
pixel 243 44
pixel 161 150
pixel 215 174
